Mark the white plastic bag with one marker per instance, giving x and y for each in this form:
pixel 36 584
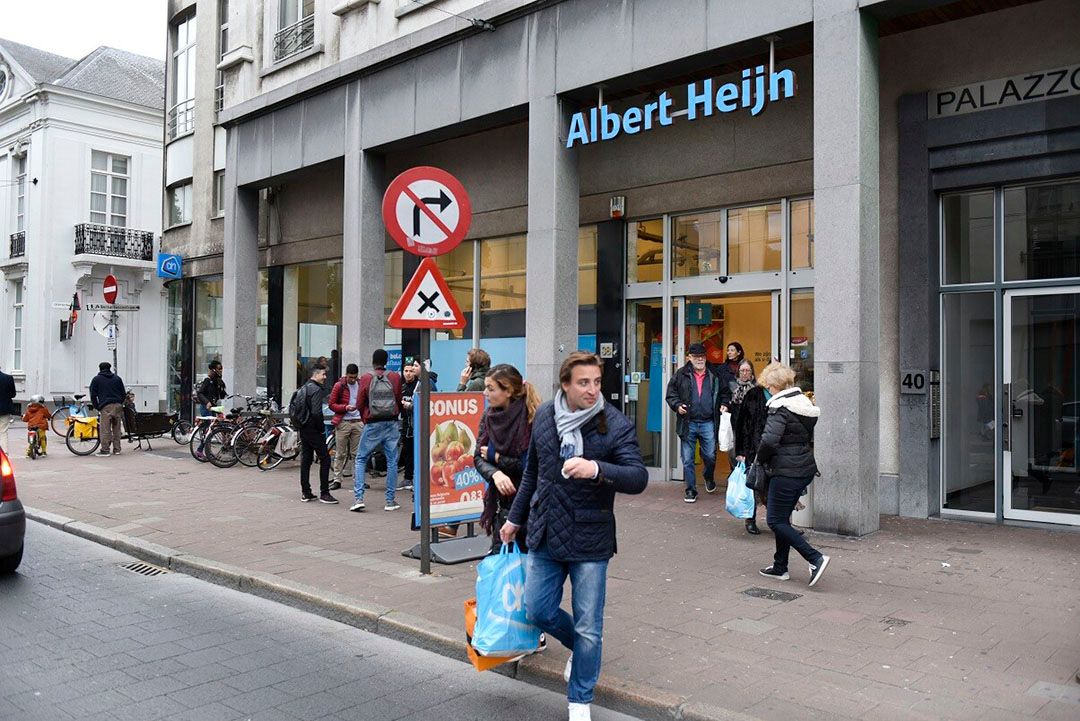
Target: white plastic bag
pixel 726 437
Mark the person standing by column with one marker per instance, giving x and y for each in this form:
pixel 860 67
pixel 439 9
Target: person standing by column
pixel 347 423
pixel 211 390
pixel 380 407
pixel 306 412
pixel 7 407
pixel 107 394
pixel 581 454
pixel 698 395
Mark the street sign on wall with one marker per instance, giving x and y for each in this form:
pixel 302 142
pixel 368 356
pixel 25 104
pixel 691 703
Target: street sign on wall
pixel 426 211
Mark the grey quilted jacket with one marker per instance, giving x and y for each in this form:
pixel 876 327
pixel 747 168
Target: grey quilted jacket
pixel 575 518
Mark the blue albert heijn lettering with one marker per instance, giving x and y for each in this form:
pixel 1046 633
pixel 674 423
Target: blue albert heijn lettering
pixel 702 100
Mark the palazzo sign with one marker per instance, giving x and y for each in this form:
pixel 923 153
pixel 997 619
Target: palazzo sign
pixel 702 100
pixel 1017 90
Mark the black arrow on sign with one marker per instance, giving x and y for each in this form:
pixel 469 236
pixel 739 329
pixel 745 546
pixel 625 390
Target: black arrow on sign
pixel 443 201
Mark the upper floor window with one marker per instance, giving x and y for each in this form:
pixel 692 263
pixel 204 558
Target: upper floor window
pixel 20 193
pixel 295 28
pixel 178 200
pixel 223 47
pixel 109 176
pixel 17 327
pixel 181 118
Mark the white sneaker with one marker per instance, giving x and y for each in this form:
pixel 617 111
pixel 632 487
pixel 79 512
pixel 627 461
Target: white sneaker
pixel 580 712
pixel 566 673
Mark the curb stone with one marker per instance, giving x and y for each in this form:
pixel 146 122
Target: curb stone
pixel 635 699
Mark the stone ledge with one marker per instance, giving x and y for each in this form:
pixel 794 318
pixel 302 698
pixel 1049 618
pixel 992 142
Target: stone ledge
pixel 346 7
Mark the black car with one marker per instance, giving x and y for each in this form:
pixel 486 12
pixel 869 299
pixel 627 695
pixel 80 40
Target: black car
pixel 12 518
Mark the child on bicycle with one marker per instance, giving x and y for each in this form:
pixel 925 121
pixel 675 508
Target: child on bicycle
pixel 37 418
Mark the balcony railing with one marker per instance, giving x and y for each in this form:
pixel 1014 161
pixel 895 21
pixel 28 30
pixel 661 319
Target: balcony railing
pixel 113 241
pixel 181 119
pixel 18 244
pixel 294 39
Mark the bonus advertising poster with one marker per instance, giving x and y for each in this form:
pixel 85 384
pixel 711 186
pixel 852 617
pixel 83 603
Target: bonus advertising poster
pixel 457 488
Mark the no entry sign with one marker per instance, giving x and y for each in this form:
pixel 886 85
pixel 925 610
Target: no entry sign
pixel 109 288
pixel 426 211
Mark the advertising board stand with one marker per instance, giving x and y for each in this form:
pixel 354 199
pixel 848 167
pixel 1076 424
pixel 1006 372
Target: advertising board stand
pixel 427 212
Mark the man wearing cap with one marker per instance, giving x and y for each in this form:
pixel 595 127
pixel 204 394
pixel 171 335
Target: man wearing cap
pixel 698 393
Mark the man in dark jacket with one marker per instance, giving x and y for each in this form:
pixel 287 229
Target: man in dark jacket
pixel 312 437
pixel 581 454
pixel 7 407
pixel 211 390
pixel 107 394
pixel 698 393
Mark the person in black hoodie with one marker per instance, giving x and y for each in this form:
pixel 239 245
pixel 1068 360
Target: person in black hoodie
pixel 7 406
pixel 107 394
pixel 787 450
pixel 313 436
pixel 410 381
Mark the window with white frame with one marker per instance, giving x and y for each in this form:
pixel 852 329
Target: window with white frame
pixel 219 194
pixel 223 47
pixel 17 327
pixel 179 204
pixel 181 118
pixel 295 28
pixel 20 193
pixel 109 175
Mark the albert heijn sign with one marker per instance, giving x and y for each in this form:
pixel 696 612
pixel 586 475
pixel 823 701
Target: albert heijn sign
pixel 427 212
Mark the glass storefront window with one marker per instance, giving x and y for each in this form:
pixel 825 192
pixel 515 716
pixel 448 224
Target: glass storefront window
pixel 968 423
pixel 174 353
pixel 802 338
pixel 1042 231
pixel 696 245
pixel 968 245
pixel 502 287
pixel 209 323
pixel 645 251
pixel 645 392
pixel 262 348
pixel 311 327
pixel 457 269
pixel 802 234
pixel 586 288
pixel 754 243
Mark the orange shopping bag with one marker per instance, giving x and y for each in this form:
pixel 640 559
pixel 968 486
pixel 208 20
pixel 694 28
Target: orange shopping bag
pixel 482 663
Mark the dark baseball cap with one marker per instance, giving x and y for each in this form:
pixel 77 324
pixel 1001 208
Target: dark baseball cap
pixel 696 349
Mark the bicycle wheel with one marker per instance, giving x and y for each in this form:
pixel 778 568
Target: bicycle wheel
pixel 59 422
pixel 80 446
pixel 218 448
pixel 268 458
pixel 245 443
pixel 181 432
pixel 196 443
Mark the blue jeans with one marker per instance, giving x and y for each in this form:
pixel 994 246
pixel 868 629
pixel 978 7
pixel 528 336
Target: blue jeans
pixel 703 432
pixel 386 434
pixel 582 634
pixel 784 493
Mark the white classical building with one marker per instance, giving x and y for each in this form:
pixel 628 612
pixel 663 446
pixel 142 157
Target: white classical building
pixel 80 198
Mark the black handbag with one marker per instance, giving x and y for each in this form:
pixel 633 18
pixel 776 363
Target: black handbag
pixel 756 476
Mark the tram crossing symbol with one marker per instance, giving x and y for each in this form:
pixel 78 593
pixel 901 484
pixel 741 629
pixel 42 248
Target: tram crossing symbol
pixel 427 302
pixel 426 211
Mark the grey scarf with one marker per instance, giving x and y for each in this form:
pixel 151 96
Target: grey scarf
pixel 569 424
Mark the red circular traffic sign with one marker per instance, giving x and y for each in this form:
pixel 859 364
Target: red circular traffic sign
pixel 109 288
pixel 427 211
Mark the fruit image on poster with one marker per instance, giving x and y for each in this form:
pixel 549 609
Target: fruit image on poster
pixel 457 488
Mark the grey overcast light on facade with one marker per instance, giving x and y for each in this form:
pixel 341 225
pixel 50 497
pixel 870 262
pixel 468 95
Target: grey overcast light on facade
pixel 75 27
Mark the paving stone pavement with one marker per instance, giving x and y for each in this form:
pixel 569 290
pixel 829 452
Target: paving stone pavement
pixel 926 619
pixel 83 638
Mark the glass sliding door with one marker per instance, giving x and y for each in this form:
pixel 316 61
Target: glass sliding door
pixel 645 389
pixel 1042 386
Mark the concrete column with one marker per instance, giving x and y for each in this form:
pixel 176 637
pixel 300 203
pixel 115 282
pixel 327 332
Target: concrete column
pixel 846 307
pixel 241 272
pixel 551 315
pixel 363 244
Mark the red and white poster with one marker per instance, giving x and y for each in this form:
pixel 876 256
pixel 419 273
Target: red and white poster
pixel 457 488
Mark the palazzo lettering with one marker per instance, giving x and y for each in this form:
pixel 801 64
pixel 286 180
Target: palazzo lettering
pixel 1016 90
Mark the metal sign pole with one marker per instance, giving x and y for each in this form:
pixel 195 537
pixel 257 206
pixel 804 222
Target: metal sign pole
pixel 425 454
pixel 112 320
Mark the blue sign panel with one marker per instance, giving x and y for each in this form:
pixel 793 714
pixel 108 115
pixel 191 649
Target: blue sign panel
pixel 169 266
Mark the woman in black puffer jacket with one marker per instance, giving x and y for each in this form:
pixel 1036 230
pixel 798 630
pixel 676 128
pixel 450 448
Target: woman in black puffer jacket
pixel 787 450
pixel 749 424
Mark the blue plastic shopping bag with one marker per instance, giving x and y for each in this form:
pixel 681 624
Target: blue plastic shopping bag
pixel 740 499
pixel 501 628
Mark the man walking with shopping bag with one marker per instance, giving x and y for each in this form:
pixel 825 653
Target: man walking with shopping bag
pixel 582 453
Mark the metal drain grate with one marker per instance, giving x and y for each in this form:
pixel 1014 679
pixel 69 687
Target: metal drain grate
pixel 771 595
pixel 895 622
pixel 143 569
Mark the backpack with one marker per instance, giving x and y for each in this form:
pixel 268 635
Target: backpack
pixel 382 403
pixel 299 413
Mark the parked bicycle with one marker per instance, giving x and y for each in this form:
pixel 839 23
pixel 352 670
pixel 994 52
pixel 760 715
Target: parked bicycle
pixel 220 446
pixel 65 410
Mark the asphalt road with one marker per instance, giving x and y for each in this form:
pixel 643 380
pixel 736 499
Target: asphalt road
pixel 83 638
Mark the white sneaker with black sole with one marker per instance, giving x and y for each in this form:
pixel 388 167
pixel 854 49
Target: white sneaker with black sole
pixel 357 507
pixel 391 507
pixel 817 571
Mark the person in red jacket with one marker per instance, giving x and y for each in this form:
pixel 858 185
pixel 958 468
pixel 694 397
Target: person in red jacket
pixel 344 402
pixel 380 408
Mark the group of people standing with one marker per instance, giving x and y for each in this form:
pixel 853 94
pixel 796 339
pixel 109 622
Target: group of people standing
pixel 773 425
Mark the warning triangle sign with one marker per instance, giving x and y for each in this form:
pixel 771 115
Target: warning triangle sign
pixel 427 302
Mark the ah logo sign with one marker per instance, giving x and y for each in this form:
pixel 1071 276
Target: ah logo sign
pixel 169 266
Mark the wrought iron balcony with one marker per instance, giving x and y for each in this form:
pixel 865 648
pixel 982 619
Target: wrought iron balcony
pixel 18 244
pixel 294 39
pixel 113 241
pixel 181 119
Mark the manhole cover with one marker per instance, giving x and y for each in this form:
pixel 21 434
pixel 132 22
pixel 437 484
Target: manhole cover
pixel 895 622
pixel 771 595
pixel 143 569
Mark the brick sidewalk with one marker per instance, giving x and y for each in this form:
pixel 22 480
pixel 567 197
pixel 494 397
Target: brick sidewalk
pixel 923 620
